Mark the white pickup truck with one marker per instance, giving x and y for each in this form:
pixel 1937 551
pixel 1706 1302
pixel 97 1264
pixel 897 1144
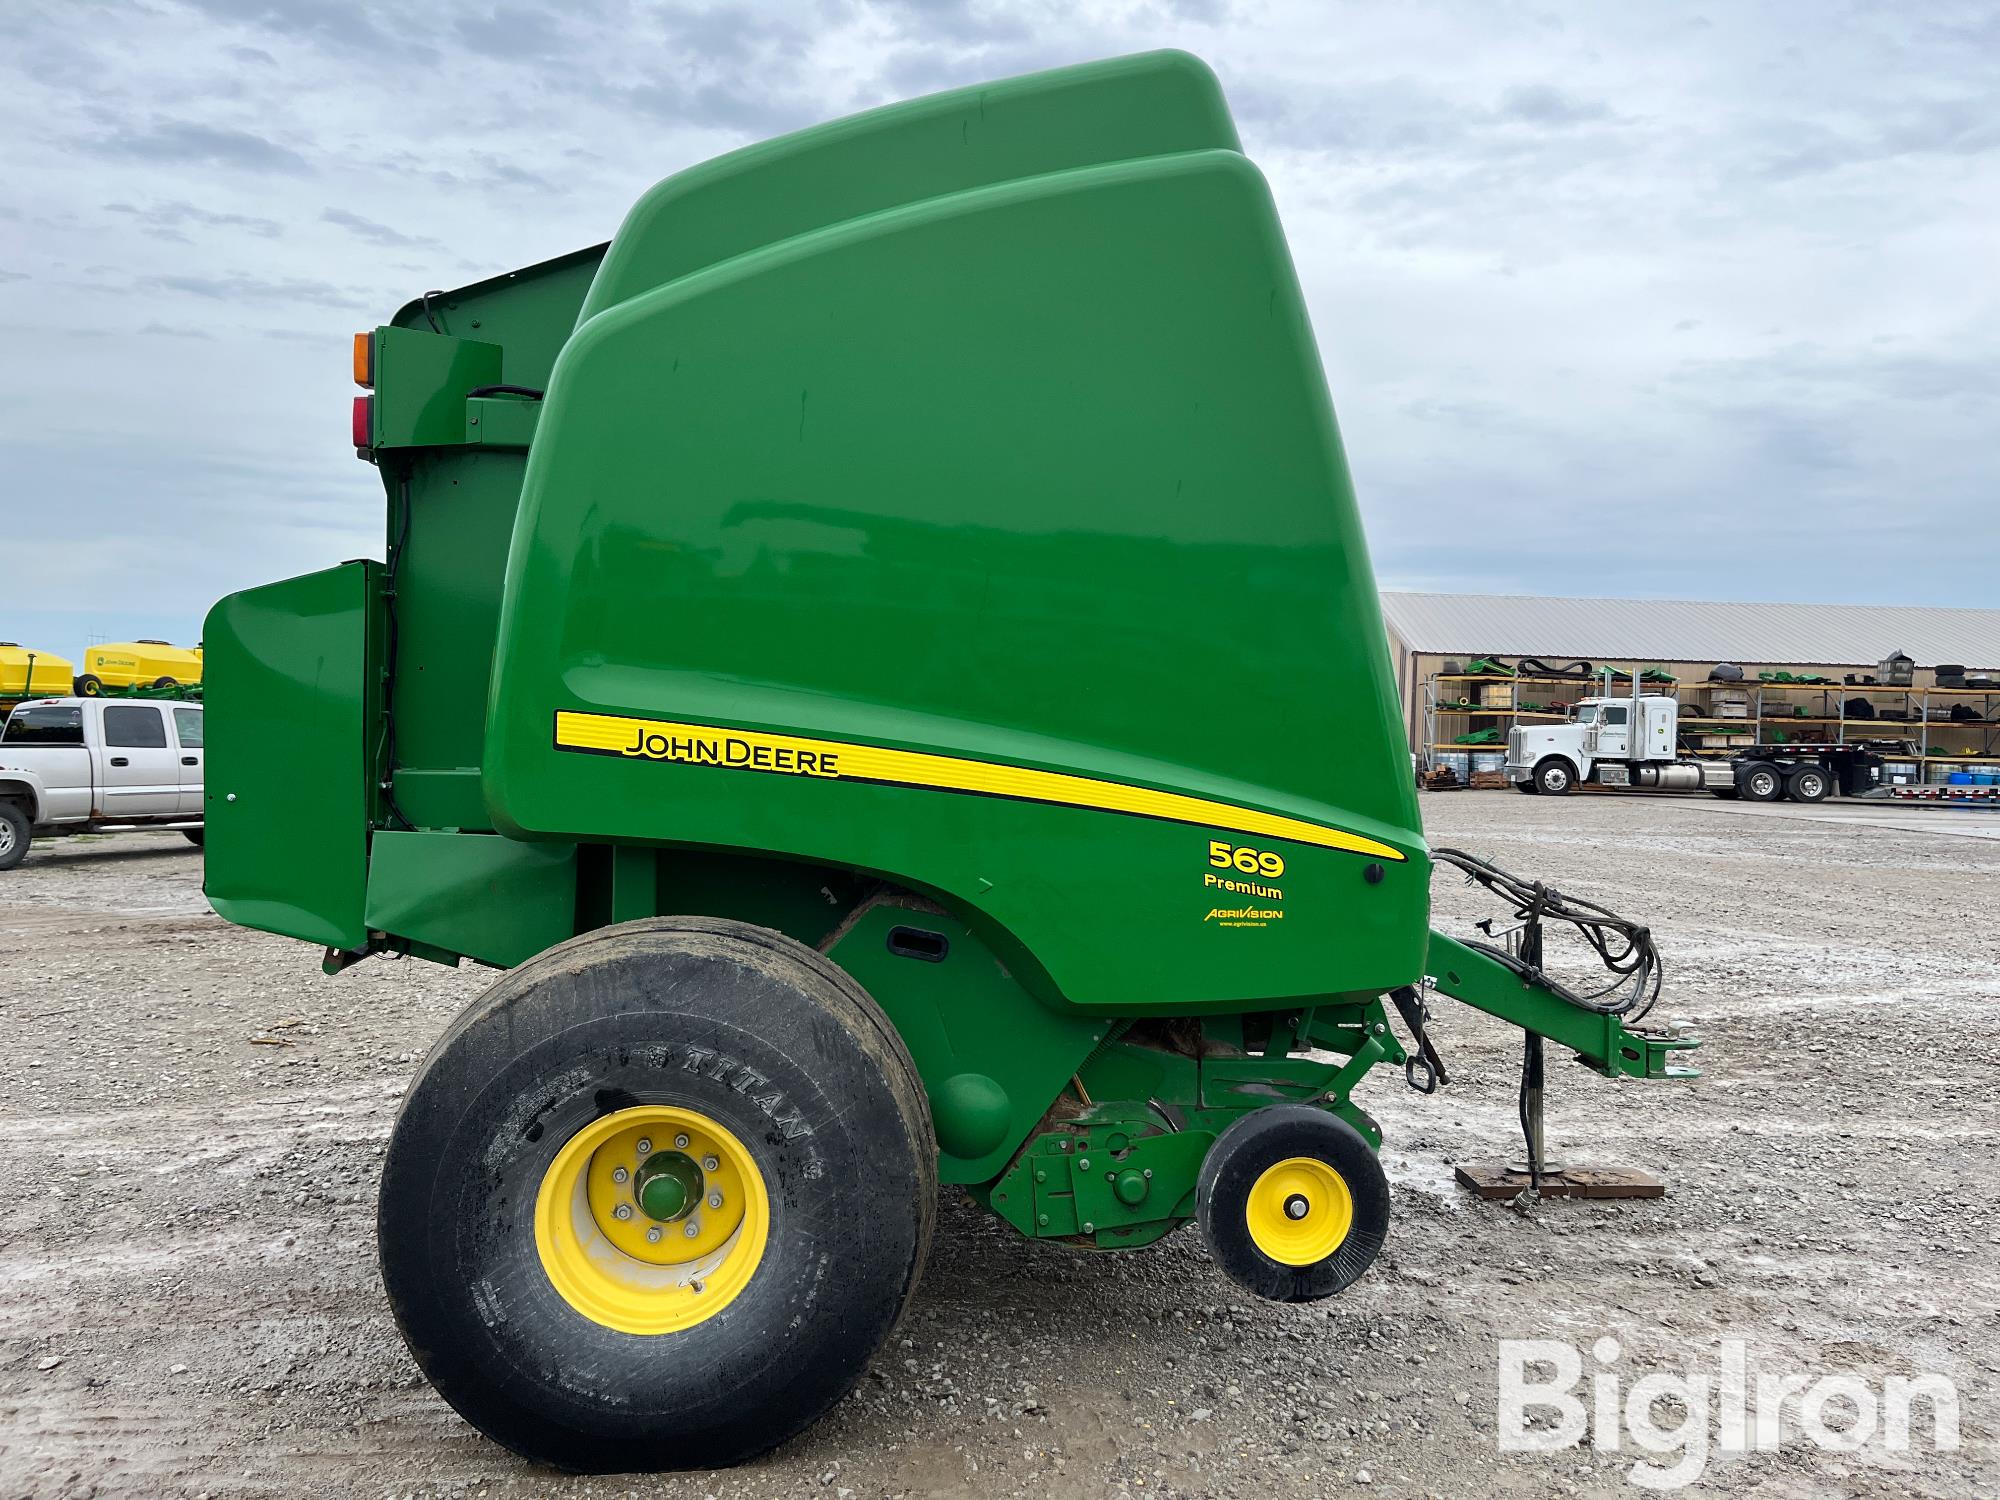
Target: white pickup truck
pixel 82 765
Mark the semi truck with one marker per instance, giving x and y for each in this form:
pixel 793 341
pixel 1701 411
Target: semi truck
pixel 1636 742
pixel 808 658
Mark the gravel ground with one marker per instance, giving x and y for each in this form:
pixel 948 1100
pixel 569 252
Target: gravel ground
pixel 194 1120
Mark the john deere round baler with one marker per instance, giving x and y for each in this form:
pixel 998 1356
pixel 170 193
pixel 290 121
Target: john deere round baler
pixel 884 655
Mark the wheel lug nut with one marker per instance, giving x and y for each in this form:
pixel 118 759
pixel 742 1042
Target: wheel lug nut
pixel 680 1143
pixel 653 1235
pixel 645 1146
pixel 622 1211
pixel 710 1163
pixel 619 1174
pixel 715 1200
pixel 693 1228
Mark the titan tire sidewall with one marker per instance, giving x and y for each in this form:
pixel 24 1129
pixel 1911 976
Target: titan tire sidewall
pixel 509 1353
pixel 1233 1167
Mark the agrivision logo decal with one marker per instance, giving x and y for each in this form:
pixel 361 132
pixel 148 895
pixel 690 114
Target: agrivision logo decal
pixel 1677 1422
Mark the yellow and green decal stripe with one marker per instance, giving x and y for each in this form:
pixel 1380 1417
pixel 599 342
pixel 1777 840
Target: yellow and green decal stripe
pixel 842 760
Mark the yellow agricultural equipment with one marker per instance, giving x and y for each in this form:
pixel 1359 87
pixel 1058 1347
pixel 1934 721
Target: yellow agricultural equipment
pixel 135 664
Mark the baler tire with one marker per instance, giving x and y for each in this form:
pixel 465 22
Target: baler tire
pixel 1554 777
pixel 789 1063
pixel 15 835
pixel 1271 1139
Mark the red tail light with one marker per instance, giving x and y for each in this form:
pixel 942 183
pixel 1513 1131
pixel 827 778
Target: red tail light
pixel 364 421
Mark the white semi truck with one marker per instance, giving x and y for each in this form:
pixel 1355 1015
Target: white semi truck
pixel 1635 742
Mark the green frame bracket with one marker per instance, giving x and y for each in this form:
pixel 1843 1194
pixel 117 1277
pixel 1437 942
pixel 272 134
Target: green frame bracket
pixel 1602 1041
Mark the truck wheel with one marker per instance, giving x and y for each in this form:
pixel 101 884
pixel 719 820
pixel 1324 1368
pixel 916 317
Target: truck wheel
pixel 1293 1203
pixel 1760 781
pixel 1553 777
pixel 193 835
pixel 657 1198
pixel 1808 784
pixel 14 835
pixel 88 686
pixel 1527 786
pixel 1725 793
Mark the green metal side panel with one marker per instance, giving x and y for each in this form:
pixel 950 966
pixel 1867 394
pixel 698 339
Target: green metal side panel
pixel 991 1056
pixel 489 898
pixel 1149 105
pixel 290 679
pixel 1040 475
pixel 528 312
pixel 421 381
pixel 462 494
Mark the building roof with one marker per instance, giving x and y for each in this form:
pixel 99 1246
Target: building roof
pixel 1686 630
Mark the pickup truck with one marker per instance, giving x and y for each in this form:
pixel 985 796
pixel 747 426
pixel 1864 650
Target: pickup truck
pixel 84 765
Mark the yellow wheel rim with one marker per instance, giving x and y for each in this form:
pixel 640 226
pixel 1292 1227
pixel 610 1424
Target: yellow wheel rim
pixel 1299 1211
pixel 652 1219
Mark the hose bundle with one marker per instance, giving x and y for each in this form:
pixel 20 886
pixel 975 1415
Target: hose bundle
pixel 1624 947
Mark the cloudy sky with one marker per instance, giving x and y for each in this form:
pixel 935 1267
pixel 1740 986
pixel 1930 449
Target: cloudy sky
pixel 1671 300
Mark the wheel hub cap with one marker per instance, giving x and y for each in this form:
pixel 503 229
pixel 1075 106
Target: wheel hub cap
pixel 1299 1211
pixel 668 1186
pixel 651 1241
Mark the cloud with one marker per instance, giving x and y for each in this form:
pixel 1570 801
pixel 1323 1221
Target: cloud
pixel 240 287
pixel 515 32
pixel 187 142
pixel 369 230
pixel 1545 104
pixel 171 220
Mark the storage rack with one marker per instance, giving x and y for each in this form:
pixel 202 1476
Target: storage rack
pixel 1772 707
pixel 1443 712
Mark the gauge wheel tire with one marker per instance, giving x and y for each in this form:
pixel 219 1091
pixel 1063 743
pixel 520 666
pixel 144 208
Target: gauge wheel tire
pixel 193 835
pixel 1554 778
pixel 165 682
pixel 1808 784
pixel 15 834
pixel 88 686
pixel 777 1113
pixel 1760 781
pixel 1293 1203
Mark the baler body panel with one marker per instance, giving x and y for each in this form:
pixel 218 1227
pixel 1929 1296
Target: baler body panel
pixel 1040 476
pixel 1153 104
pixel 294 679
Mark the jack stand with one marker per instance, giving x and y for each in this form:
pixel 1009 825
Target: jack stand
pixel 1537 1174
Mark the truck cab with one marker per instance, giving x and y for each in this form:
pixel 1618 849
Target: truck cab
pixel 1603 733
